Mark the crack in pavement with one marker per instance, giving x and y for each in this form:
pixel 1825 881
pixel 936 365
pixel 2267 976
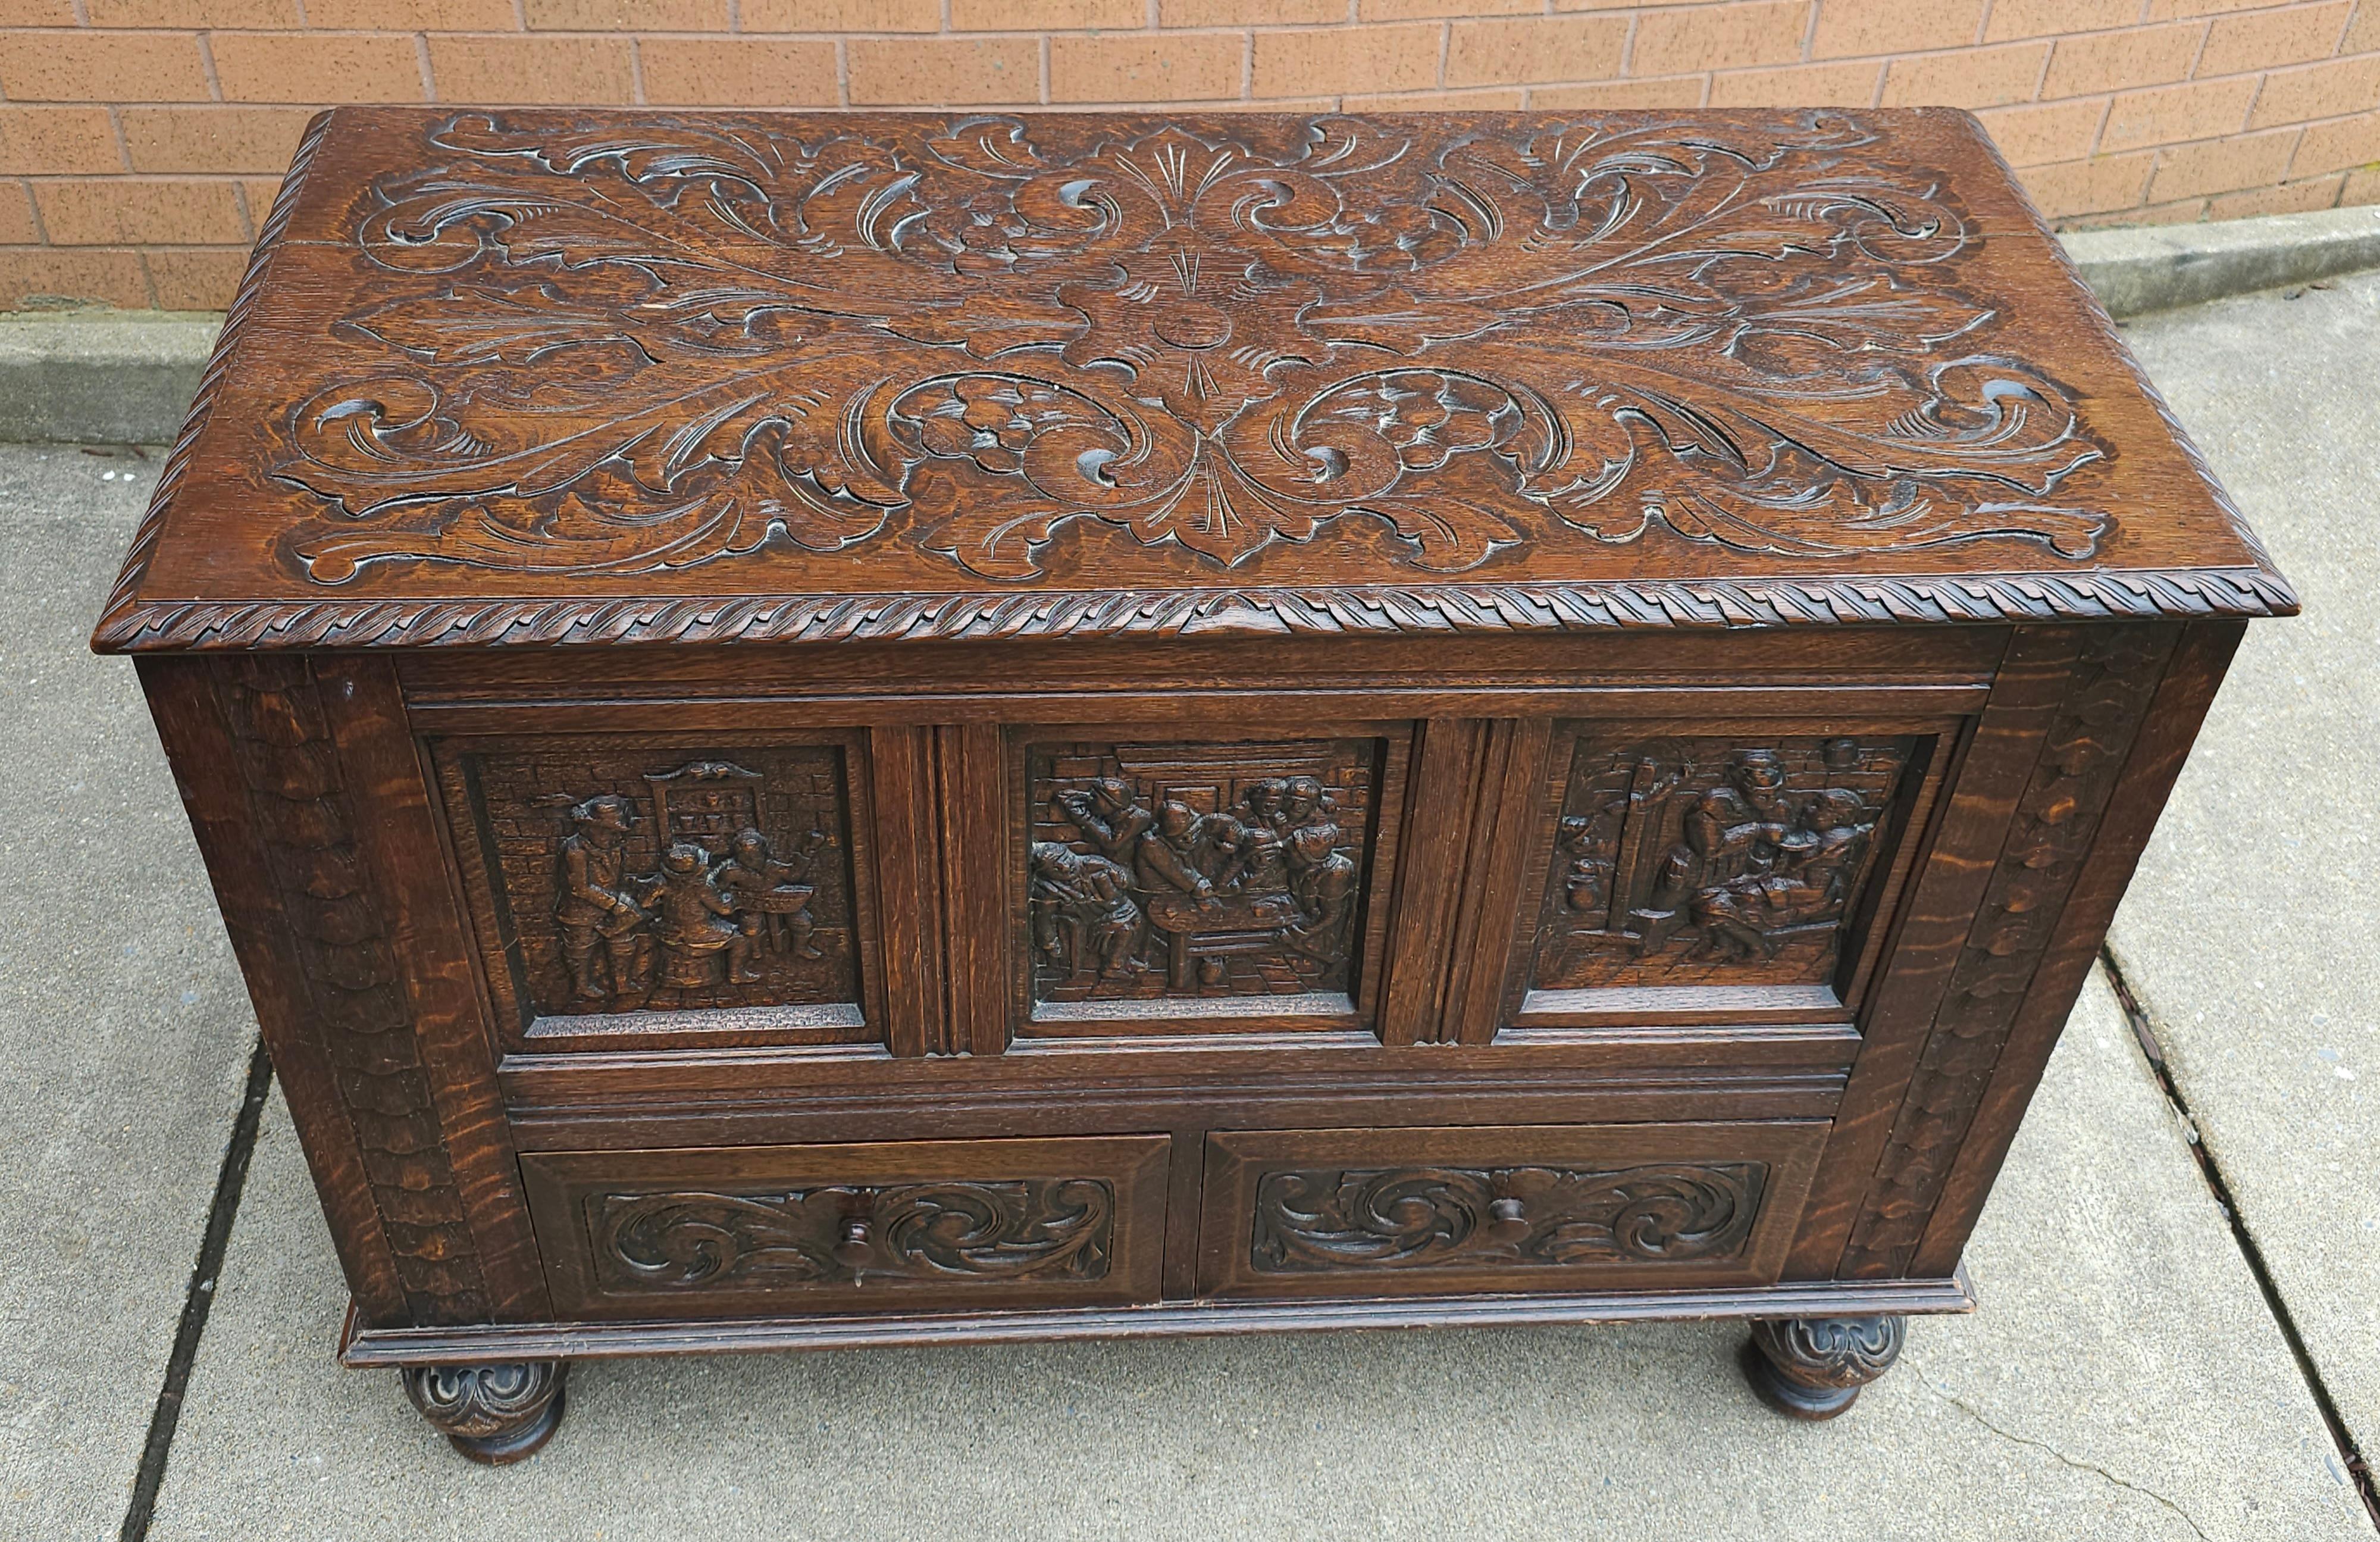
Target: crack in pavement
pixel 1972 1412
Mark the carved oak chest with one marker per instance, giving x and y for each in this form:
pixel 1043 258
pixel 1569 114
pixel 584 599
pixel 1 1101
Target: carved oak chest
pixel 860 730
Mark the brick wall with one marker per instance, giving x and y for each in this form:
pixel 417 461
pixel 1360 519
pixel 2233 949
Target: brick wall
pixel 139 139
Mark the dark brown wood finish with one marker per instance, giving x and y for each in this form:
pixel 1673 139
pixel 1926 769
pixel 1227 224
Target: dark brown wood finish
pixel 883 729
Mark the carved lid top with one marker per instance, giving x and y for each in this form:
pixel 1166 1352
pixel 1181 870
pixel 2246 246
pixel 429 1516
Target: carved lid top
pixel 556 377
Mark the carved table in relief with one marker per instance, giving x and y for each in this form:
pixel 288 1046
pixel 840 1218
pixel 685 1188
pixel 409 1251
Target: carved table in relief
pixel 848 730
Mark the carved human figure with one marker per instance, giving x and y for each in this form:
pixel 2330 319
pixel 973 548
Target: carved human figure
pixel 697 923
pixel 772 903
pixel 1090 899
pixel 1322 880
pixel 1264 833
pixel 1110 816
pixel 592 907
pixel 1166 859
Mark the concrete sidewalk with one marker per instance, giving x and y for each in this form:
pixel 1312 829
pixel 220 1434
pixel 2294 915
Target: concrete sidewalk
pixel 2127 1375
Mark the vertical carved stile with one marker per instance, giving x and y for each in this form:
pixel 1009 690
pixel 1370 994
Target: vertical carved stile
pixel 910 916
pixel 355 994
pixel 2114 675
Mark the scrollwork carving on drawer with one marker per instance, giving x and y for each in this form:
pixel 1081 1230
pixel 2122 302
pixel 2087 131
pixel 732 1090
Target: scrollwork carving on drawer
pixel 1061 1228
pixel 1437 1216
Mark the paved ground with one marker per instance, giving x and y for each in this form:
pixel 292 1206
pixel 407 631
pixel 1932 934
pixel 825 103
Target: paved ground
pixel 2125 1379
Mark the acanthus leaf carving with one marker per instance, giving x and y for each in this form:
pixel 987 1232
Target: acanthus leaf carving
pixel 1218 340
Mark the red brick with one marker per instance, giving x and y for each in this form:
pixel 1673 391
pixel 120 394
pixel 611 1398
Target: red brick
pixel 1329 60
pixel 547 69
pixel 2113 61
pixel 1039 16
pixel 211 139
pixel 2363 32
pixel 1971 78
pixel 1413 10
pixel 1853 26
pixel 2283 198
pixel 118 210
pixel 1527 53
pixel 1242 13
pixel 191 13
pixel 409 16
pixel 2349 144
pixel 2012 19
pixel 843 15
pixel 2169 114
pixel 1677 90
pixel 259 192
pixel 38 13
pixel 1851 84
pixel 626 16
pixel 2039 133
pixel 1147 67
pixel 2170 10
pixel 2332 90
pixel 973 71
pixel 44 277
pixel 1722 37
pixel 96 67
pixel 1497 99
pixel 317 66
pixel 196 278
pixel 2222 166
pixel 54 140
pixel 2088 187
pixel 2297 35
pixel 744 72
pixel 2363 188
pixel 17 226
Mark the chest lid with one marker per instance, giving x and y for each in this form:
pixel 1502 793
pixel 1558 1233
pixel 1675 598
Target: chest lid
pixel 574 377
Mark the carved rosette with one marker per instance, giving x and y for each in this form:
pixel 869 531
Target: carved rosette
pixel 1813 1367
pixel 492 1413
pixel 615 350
pixel 1506 1217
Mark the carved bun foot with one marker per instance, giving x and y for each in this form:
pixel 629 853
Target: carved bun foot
pixel 1813 1367
pixel 491 1414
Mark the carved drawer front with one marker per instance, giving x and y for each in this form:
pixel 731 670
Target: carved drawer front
pixel 1699 875
pixel 1550 1208
pixel 1202 885
pixel 633 887
pixel 795 1229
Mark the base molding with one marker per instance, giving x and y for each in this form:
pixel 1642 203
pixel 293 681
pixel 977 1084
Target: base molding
pixel 360 1347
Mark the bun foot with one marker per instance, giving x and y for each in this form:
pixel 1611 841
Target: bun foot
pixel 1813 1367
pixel 491 1414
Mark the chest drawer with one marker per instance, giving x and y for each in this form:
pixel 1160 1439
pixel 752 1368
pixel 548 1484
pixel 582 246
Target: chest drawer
pixel 798 1229
pixel 1530 1208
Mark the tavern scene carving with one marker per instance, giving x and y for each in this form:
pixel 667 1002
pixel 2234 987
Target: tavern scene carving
pixel 1048 1229
pixel 1196 869
pixel 641 878
pixel 1697 860
pixel 1503 1217
pixel 620 349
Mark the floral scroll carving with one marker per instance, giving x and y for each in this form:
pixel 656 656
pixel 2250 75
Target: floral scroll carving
pixel 1031 1228
pixel 619 349
pixel 1503 1217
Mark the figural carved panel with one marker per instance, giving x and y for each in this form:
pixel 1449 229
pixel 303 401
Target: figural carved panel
pixel 621 875
pixel 1703 861
pixel 1217 879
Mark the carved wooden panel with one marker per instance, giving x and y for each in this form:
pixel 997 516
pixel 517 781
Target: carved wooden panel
pixel 1538 1208
pixel 616 875
pixel 2114 678
pixel 829 1227
pixel 935 375
pixel 1199 872
pixel 1701 860
pixel 357 998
